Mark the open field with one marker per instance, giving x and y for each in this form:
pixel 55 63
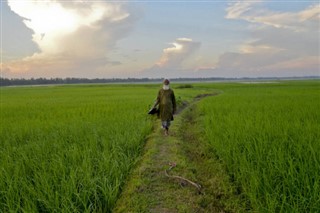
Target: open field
pixel 71 148
pixel 267 136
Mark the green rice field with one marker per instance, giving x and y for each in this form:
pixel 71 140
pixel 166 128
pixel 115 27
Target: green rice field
pixel 71 148
pixel 268 137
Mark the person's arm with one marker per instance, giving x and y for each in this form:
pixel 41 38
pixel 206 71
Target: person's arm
pixel 157 101
pixel 174 103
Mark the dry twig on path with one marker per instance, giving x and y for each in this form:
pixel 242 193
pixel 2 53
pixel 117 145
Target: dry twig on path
pixel 172 165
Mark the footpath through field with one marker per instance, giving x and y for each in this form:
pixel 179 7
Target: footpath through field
pixel 154 187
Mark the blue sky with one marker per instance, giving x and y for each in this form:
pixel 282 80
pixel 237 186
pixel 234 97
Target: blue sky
pixel 106 39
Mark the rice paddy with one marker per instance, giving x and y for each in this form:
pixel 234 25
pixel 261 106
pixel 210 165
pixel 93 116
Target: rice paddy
pixel 267 136
pixel 71 148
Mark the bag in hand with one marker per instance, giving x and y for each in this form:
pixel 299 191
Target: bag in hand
pixel 153 111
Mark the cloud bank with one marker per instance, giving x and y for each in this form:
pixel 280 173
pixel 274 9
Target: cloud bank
pixel 79 39
pixel 171 63
pixel 282 43
pixel 73 37
pixel 173 57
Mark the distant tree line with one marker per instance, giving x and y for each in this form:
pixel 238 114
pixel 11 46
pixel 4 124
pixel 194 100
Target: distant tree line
pixel 45 81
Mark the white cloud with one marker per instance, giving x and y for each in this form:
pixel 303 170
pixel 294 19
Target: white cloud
pixel 74 36
pixel 252 12
pixel 282 43
pixel 239 9
pixel 173 58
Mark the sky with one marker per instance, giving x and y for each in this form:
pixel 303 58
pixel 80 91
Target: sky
pixel 159 39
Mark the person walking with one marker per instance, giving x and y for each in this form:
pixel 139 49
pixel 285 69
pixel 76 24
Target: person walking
pixel 167 105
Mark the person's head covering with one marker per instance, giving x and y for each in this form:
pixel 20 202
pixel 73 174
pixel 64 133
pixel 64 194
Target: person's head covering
pixel 166 81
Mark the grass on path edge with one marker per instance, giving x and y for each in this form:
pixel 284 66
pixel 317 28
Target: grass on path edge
pixel 149 190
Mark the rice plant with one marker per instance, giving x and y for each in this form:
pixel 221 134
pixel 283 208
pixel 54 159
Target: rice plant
pixel 69 148
pixel 267 136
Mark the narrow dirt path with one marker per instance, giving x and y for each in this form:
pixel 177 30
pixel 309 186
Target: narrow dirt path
pixel 151 190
